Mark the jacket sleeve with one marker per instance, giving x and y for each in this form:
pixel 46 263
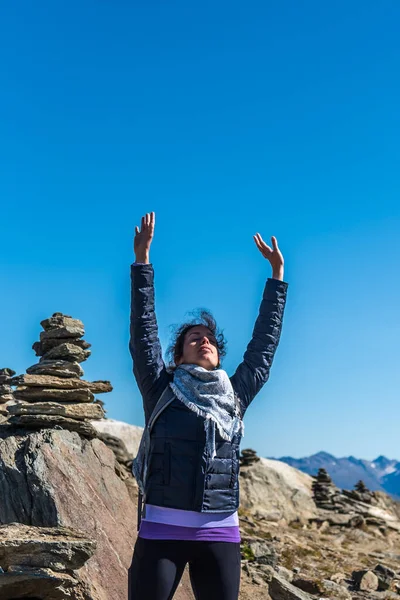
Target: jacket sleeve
pixel 145 348
pixel 253 371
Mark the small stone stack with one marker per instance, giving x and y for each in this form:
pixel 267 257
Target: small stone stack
pixel 6 393
pixel 52 393
pixel 248 457
pixel 324 491
pixel 361 487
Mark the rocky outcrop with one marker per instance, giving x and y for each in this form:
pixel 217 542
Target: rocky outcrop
pixel 54 478
pixel 275 491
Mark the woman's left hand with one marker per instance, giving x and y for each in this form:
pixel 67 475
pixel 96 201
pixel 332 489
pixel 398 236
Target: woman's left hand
pixel 274 255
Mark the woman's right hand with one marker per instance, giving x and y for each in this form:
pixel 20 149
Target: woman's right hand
pixel 144 237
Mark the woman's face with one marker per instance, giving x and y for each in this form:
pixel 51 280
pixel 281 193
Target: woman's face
pixel 200 348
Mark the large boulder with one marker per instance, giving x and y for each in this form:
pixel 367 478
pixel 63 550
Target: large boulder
pixel 55 478
pixel 276 491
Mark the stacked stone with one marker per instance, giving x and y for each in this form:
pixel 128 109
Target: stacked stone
pixel 52 393
pixel 248 457
pixel 6 393
pixel 324 491
pixel 361 487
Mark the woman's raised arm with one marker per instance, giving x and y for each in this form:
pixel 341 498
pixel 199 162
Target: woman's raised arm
pixel 144 344
pixel 253 371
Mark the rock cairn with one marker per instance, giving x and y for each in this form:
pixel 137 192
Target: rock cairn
pixel 6 393
pixel 52 394
pixel 324 490
pixel 248 457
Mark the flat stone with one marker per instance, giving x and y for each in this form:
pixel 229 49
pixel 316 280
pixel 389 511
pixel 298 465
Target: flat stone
pixel 45 547
pixel 6 398
pixel 67 409
pixel 67 351
pixel 280 589
pixel 46 381
pixel 51 422
pixel 58 320
pixel 37 394
pixel 58 368
pixel 62 332
pixel 44 346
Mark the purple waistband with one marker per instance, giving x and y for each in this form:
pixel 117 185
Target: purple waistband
pixel 160 531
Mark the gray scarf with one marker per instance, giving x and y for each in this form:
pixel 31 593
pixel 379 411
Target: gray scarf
pixel 210 395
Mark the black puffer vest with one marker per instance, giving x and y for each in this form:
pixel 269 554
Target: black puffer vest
pixel 180 474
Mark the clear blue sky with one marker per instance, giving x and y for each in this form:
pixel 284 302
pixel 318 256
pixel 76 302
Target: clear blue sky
pixel 226 118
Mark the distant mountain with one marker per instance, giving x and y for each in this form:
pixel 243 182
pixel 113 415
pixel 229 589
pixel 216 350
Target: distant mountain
pixel 380 474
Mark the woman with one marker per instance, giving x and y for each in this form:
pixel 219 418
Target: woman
pixel 188 464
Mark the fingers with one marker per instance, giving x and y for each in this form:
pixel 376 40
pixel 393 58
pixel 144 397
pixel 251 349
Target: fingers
pixel 148 220
pixel 274 243
pixel 136 230
pixel 263 247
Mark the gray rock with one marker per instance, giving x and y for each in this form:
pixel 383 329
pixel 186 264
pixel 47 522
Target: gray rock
pixel 280 589
pixel 38 394
pixel 385 576
pixel 58 368
pixel 52 422
pixel 66 351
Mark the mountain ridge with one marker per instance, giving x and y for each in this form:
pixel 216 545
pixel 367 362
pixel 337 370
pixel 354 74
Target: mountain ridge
pixel 381 474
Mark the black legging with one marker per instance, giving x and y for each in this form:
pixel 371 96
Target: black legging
pixel 157 567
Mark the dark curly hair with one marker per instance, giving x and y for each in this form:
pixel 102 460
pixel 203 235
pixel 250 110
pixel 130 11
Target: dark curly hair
pixel 201 316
